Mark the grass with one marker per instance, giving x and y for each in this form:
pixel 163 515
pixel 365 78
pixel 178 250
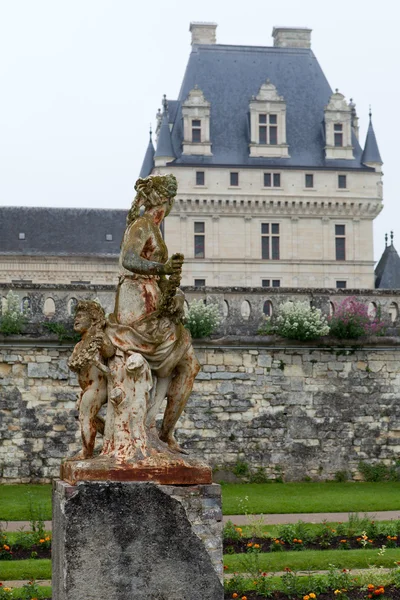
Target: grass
pixel 313 560
pixel 25 569
pixel 15 501
pixel 289 498
pixel 274 530
pixel 45 592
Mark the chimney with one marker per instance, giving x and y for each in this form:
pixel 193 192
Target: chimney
pixel 292 37
pixel 203 33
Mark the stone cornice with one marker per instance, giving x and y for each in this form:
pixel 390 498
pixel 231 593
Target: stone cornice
pixel 241 205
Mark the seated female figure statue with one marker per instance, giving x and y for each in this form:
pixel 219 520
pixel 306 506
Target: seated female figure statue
pixel 148 305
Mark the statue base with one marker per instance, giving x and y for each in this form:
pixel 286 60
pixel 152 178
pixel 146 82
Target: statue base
pixel 123 540
pixel 158 469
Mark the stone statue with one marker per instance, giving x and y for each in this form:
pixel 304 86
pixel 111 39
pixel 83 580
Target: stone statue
pixel 142 353
pixel 88 361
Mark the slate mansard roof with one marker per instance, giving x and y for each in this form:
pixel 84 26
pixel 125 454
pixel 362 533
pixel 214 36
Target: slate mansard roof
pixel 229 76
pixel 61 231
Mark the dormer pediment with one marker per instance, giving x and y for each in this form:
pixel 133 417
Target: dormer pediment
pixel 196 98
pixel 196 123
pixel 268 123
pixel 268 92
pixel 338 120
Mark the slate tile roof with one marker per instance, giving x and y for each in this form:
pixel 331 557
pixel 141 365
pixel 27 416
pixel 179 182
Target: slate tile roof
pixel 387 271
pixel 61 231
pixel 229 76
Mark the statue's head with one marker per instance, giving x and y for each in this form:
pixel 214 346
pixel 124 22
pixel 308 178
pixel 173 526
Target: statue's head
pixel 154 190
pixel 88 313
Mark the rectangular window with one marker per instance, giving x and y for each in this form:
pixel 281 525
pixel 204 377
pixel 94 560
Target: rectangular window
pixel 266 283
pixel 270 241
pixel 272 179
pixel 234 178
pixel 196 130
pixel 199 283
pixel 199 240
pixel 273 135
pixel 309 180
pixel 341 285
pixel 338 134
pixel 340 242
pixel 200 178
pixel 276 283
pixel 268 129
pixel 342 182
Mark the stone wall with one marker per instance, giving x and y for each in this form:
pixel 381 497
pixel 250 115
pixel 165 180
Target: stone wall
pixel 296 411
pixel 242 309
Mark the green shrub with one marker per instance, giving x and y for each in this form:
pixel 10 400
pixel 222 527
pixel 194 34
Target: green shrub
pixel 12 318
pixel 241 469
pixel 298 321
pixel 64 333
pixel 341 476
pixel 351 320
pixel 202 319
pixel 379 471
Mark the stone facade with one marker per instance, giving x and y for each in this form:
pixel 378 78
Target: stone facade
pixel 296 411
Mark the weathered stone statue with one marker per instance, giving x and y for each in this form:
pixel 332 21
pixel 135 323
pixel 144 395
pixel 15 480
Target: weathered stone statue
pixel 163 536
pixel 143 351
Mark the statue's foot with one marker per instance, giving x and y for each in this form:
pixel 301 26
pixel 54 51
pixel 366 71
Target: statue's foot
pixel 173 444
pixel 79 456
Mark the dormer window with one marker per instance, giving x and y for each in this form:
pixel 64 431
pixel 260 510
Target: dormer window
pixel 338 134
pixel 268 123
pixel 196 131
pixel 196 124
pixel 268 129
pixel 338 119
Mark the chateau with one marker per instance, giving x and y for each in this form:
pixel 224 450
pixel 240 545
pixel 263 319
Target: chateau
pixel 275 187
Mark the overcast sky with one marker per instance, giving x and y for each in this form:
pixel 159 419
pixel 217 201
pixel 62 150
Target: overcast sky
pixel 81 80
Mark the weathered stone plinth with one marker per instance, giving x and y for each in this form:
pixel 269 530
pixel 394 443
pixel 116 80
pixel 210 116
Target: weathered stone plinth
pixel 125 540
pixel 158 469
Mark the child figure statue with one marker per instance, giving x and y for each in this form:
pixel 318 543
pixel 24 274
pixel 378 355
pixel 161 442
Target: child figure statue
pixel 88 361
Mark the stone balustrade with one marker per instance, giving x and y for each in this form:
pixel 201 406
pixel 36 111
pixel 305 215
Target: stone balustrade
pixel 242 309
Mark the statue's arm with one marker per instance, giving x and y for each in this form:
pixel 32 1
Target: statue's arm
pixel 132 248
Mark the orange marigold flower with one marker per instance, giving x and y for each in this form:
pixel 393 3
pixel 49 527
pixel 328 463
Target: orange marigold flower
pixel 312 595
pixel 277 542
pixel 244 597
pixel 234 595
pixel 300 542
pixel 256 545
pixel 370 586
pixel 307 597
pixel 6 547
pixel 249 545
pixel 41 541
pixel 343 541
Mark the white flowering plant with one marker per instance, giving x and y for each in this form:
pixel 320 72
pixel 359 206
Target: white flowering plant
pixel 202 319
pixel 298 321
pixel 12 319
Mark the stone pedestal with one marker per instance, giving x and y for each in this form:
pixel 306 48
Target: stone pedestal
pixel 141 540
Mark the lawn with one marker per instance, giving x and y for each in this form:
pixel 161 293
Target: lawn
pixel 45 592
pixel 313 560
pixel 16 502
pixel 268 498
pixel 25 569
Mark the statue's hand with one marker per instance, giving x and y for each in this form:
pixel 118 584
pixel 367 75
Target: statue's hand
pixel 173 265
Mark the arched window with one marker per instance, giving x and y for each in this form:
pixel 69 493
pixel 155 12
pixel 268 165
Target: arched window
pixel 49 307
pixel 26 304
pixel 331 309
pixel 225 309
pixel 245 310
pixel 268 308
pixel 72 302
pixel 372 309
pixel 393 312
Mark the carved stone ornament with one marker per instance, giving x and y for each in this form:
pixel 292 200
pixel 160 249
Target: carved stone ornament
pixel 136 358
pixel 196 98
pixel 268 92
pixel 337 102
